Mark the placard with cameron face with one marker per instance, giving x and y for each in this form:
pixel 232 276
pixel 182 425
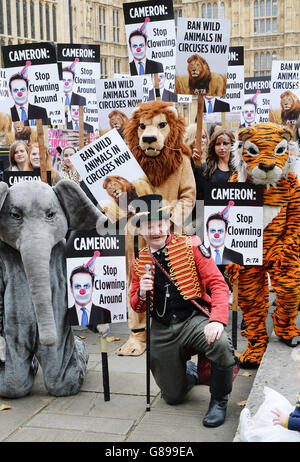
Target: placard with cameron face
pixel 33 81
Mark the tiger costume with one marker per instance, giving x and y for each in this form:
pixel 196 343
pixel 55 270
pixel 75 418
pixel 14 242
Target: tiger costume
pixel 265 155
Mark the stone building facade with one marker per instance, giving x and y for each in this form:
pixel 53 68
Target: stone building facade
pixel 268 29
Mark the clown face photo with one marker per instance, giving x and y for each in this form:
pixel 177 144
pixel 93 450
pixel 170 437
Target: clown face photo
pixel 82 288
pixel 19 91
pixel 138 47
pixel 68 80
pixel 216 233
pixel 249 113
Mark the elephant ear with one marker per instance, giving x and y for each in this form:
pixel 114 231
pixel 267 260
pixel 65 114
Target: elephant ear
pixel 80 212
pixel 3 192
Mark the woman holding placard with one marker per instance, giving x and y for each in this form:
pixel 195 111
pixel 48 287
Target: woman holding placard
pixel 67 170
pixel 18 156
pixel 218 166
pixel 34 162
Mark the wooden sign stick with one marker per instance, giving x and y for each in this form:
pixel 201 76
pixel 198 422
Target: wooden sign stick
pixel 81 128
pixel 42 150
pixel 197 162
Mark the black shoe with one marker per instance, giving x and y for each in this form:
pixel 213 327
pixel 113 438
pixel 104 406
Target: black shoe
pixel 216 413
pixel 192 374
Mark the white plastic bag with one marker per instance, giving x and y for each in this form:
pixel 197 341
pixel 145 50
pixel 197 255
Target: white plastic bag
pixel 260 427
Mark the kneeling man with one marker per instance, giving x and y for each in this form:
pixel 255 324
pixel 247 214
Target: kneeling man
pixel 182 269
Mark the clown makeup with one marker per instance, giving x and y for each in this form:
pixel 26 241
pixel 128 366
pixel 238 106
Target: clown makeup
pixel 19 92
pixel 67 81
pixel 75 113
pixel 138 47
pixel 82 288
pixel 249 113
pixel 216 233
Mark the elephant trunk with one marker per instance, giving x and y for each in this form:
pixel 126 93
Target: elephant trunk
pixel 35 254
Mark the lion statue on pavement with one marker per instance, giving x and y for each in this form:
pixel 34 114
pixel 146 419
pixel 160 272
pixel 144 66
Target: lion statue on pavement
pixel 154 134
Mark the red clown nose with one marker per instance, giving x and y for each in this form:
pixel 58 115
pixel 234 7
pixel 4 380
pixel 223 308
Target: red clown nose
pixel 20 94
pixel 216 235
pixel 82 291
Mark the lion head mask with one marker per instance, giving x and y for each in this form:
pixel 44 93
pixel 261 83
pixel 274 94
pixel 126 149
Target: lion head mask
pixel 154 135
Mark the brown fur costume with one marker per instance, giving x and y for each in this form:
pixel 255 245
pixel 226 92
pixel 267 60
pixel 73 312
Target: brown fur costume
pixel 290 107
pixel 170 174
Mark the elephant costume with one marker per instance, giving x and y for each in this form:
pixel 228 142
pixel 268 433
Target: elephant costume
pixel 34 220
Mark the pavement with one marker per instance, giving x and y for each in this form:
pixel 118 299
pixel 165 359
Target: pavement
pixel 87 417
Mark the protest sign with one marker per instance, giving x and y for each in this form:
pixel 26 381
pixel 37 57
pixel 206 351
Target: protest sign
pixel 257 101
pixel 111 173
pixel 202 56
pixel 148 86
pixel 80 69
pixel 232 104
pixel 285 92
pixel 34 86
pixel 5 118
pixel 233 222
pixel 11 178
pixel 151 39
pixel 62 138
pixel 4 93
pixel 103 295
pixel 116 99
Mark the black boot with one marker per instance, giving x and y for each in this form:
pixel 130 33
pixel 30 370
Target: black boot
pixel 220 387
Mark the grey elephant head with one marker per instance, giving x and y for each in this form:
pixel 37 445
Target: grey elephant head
pixel 33 218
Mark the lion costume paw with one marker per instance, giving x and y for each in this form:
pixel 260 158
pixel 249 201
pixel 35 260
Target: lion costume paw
pixel 135 345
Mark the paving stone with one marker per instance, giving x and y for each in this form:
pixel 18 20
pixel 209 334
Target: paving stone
pixel 80 423
pixel 123 383
pixel 42 435
pixel 93 404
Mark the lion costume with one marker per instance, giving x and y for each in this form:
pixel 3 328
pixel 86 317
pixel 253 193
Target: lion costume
pixel 265 156
pixel 154 135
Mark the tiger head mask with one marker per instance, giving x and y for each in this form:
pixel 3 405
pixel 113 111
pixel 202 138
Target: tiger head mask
pixel 264 153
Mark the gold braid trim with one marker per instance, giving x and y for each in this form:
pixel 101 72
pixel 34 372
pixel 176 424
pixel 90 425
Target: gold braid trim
pixel 182 266
pixel 180 260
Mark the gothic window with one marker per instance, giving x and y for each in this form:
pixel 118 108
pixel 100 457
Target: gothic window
pixel 265 20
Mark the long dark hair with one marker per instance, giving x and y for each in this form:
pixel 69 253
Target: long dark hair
pixel 212 158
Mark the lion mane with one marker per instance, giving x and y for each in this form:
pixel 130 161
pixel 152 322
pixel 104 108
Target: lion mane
pixel 128 190
pixel 202 81
pixel 115 115
pixel 158 169
pixel 290 106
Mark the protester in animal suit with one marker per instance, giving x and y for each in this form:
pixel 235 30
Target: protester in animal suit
pixel 265 155
pixel 154 134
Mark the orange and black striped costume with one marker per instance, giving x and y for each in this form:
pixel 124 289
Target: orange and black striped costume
pixel 264 156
